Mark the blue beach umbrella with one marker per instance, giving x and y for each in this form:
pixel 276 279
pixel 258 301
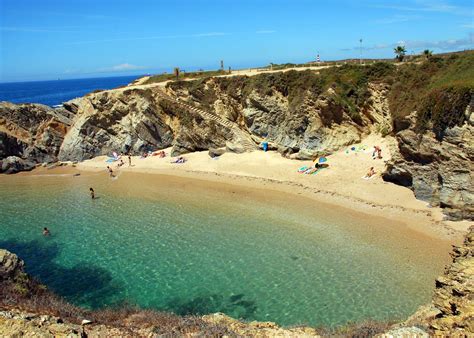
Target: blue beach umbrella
pixel 322 160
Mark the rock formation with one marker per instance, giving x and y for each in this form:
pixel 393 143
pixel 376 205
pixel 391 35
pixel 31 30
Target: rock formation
pixel 440 172
pixel 32 132
pixel 300 114
pixel 454 293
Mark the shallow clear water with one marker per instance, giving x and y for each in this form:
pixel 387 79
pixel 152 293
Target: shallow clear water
pixel 191 247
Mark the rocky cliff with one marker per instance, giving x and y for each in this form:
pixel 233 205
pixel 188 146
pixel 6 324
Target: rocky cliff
pixel 439 171
pixel 454 294
pixel 293 112
pixel 30 133
pixel 300 114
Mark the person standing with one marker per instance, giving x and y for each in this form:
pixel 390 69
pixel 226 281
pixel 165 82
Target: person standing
pixel 91 191
pixel 111 172
pixel 129 160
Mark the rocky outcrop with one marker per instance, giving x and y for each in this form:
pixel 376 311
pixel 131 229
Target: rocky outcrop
pixel 14 164
pixel 10 265
pixel 136 120
pixel 302 125
pixel 439 172
pixel 454 293
pixel 33 132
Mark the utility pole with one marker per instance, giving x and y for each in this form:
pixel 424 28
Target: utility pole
pixel 360 52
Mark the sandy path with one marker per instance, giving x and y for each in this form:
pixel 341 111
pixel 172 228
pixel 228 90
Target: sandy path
pixel 139 84
pixel 341 184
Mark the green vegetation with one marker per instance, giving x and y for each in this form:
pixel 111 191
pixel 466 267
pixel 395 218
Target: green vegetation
pixel 439 89
pixel 400 52
pixel 427 53
pixel 184 75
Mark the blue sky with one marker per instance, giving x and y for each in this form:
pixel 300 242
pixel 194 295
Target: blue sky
pixel 49 39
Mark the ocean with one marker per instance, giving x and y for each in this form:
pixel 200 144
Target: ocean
pixel 191 247
pixel 55 92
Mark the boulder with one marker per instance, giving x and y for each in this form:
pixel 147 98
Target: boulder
pixel 13 165
pixel 10 265
pixel 216 152
pixel 234 148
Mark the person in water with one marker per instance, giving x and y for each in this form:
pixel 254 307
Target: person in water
pixel 111 172
pixel 92 193
pixel 46 232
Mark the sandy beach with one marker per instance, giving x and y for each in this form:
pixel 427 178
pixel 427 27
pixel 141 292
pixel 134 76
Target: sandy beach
pixel 340 184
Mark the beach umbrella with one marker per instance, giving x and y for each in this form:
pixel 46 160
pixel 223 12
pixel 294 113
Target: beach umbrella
pixel 322 160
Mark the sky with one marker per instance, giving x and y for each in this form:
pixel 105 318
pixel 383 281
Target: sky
pixel 50 39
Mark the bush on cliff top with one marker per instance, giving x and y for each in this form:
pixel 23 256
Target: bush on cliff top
pixel 439 89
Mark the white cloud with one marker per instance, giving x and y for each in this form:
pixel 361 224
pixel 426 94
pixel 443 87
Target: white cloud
pixel 37 29
pixel 430 6
pixel 121 68
pixel 397 19
pixel 442 45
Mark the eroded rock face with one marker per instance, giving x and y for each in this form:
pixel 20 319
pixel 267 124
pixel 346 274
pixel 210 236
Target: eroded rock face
pixel 439 172
pixel 10 265
pixel 454 293
pixel 316 124
pixel 135 121
pixel 33 132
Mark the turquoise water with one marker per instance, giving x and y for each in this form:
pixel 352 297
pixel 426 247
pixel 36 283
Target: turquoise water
pixel 191 247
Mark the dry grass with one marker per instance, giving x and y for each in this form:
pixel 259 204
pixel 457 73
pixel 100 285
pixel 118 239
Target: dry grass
pixel 24 293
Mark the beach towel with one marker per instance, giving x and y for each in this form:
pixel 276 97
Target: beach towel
pixel 303 169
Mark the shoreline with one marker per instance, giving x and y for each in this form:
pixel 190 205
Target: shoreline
pixel 340 185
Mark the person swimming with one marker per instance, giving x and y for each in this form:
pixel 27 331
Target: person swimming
pixel 91 191
pixel 46 232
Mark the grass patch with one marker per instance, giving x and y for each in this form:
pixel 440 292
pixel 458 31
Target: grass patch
pixel 183 76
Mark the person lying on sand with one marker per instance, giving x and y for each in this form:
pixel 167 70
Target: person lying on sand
pixel 179 160
pixel 370 173
pixel 160 154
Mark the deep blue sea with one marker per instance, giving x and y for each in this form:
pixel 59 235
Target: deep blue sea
pixel 57 91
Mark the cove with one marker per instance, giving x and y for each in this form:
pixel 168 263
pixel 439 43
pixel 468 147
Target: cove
pixel 196 247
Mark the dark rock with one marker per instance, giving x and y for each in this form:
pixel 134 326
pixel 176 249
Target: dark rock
pixel 13 165
pixel 216 152
pixel 10 265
